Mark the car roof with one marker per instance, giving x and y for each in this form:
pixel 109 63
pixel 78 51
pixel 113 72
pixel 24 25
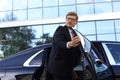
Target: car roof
pixel 105 41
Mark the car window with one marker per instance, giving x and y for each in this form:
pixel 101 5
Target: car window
pixel 37 60
pixel 39 72
pixel 86 44
pixel 19 58
pixel 93 53
pixel 115 52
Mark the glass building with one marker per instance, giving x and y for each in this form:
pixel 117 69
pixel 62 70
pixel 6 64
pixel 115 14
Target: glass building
pixel 98 19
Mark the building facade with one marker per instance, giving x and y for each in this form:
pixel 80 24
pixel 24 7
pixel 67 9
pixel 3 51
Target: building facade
pixel 98 19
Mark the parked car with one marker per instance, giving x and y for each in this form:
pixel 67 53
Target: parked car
pixel 101 62
pixel 109 52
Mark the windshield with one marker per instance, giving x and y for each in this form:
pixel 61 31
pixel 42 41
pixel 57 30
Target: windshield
pixel 113 52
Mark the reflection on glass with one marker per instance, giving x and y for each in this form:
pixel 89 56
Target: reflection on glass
pixel 51 12
pixel 115 6
pixel 84 1
pixel 19 4
pixel 50 3
pixel 5 16
pixel 105 26
pixel 65 2
pixel 118 37
pixel 117 26
pixel 106 37
pixel 65 9
pixel 87 45
pixel 94 54
pixel 38 30
pixel 102 0
pixel 34 14
pixel 20 15
pixel 91 37
pixel 115 51
pixel 35 3
pixel 5 5
pixel 103 8
pixel 85 9
pixel 86 27
pixel 50 29
pixel 16 39
pixel 34 41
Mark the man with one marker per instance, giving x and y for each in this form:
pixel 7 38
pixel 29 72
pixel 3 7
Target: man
pixel 65 52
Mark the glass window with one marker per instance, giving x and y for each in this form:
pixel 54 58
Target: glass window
pixel 103 8
pixel 118 37
pixel 50 29
pixel 38 31
pixel 62 24
pixel 65 9
pixel 106 37
pixel 65 2
pixel 115 51
pixel 85 9
pixel 35 3
pixel 86 27
pixel 115 0
pixel 34 13
pixel 5 16
pixel 115 6
pixel 20 15
pixel 19 4
pixel 35 41
pixel 50 3
pixel 117 25
pixel 91 37
pixel 84 1
pixel 105 27
pixel 5 5
pixel 51 12
pixel 37 60
pixel 102 0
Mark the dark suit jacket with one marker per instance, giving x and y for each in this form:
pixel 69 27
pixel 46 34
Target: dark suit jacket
pixel 62 59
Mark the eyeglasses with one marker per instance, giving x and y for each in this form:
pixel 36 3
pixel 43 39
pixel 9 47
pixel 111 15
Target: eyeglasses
pixel 71 19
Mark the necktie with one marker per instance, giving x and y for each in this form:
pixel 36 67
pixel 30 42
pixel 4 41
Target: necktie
pixel 80 46
pixel 73 32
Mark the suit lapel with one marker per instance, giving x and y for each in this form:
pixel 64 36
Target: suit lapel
pixel 67 33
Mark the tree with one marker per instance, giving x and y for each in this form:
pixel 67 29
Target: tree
pixel 15 39
pixel 45 38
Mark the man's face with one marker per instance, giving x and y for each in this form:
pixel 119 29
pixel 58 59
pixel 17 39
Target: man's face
pixel 71 21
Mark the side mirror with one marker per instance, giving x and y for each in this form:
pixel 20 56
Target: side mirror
pixel 98 62
pixel 99 66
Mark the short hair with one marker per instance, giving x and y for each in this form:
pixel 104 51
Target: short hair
pixel 72 14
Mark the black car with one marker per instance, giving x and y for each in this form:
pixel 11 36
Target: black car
pixel 109 52
pixel 101 61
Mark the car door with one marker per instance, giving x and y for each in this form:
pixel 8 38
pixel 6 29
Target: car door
pixel 108 73
pixel 85 69
pixel 89 72
pixel 91 67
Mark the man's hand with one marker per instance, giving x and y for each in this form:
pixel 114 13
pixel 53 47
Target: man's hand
pixel 74 42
